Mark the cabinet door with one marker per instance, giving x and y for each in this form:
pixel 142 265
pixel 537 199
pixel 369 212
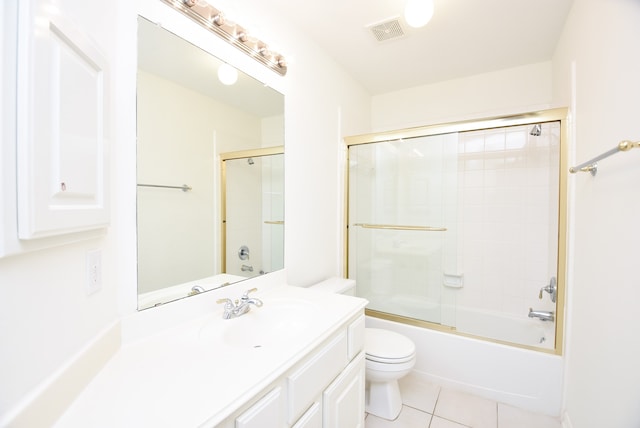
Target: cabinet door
pixel 308 380
pixel 266 413
pixel 62 125
pixel 311 419
pixel 343 400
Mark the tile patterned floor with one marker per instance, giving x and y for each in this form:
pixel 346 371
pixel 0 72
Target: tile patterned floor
pixel 429 406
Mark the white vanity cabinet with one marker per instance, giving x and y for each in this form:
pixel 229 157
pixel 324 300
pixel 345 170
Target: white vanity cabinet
pixel 324 389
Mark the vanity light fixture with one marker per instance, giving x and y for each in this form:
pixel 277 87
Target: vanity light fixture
pixel 417 13
pixel 214 20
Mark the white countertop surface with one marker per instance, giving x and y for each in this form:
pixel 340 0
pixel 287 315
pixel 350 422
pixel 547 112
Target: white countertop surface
pixel 188 375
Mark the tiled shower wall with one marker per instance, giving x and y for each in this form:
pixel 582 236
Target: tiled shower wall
pixel 508 217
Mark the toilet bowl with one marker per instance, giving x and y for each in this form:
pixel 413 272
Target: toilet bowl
pixel 388 357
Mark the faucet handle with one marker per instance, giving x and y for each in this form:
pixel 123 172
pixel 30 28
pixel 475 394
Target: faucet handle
pixel 228 303
pixel 551 288
pixel 245 296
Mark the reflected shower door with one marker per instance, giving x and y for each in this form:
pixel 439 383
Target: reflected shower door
pixel 254 214
pixel 402 215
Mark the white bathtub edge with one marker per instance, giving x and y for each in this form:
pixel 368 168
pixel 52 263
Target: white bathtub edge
pixel 526 379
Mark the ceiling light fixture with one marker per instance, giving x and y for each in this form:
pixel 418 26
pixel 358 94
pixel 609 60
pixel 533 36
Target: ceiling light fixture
pixel 227 74
pixel 214 20
pixel 417 13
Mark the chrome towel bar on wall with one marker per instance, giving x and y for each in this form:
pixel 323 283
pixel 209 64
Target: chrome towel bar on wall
pixel 591 166
pixel 398 227
pixel 184 187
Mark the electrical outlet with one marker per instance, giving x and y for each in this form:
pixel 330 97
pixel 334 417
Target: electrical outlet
pixel 93 271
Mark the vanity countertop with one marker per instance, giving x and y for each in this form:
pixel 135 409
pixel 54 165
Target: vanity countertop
pixel 198 372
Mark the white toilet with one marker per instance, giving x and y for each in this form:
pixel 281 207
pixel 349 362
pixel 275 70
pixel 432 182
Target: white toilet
pixel 388 357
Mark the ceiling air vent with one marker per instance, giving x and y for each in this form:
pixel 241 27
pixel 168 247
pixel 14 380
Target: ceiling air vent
pixel 387 30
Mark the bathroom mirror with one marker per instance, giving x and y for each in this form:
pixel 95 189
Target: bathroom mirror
pixel 187 118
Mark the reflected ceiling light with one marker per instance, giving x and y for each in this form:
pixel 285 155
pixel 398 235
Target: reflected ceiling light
pixel 227 74
pixel 417 13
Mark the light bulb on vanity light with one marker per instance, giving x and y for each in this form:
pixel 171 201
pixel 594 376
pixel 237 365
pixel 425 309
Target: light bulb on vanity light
pixel 417 13
pixel 227 74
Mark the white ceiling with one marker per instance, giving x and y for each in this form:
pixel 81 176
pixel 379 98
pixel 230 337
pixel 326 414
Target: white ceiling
pixel 465 37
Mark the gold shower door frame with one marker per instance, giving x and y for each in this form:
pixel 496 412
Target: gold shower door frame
pixel 553 115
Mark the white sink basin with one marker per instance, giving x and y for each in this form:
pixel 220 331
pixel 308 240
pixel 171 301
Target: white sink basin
pixel 278 321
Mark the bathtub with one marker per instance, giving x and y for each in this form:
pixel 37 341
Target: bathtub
pixel 524 378
pixel 158 297
pixel 485 324
pixel 519 330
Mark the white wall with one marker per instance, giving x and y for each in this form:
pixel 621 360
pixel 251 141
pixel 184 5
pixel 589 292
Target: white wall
pixel 600 40
pixel 46 316
pixel 511 91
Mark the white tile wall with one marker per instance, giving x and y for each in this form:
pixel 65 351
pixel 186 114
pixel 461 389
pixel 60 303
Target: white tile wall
pixel 508 182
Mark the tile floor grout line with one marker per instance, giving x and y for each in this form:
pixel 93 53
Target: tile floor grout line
pixel 433 415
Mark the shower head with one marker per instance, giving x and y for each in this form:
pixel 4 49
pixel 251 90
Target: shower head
pixel 536 130
pixel 250 161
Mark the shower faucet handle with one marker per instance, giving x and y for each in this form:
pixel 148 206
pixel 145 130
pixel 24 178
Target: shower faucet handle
pixel 552 289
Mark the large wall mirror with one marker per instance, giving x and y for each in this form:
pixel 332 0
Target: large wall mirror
pixel 188 124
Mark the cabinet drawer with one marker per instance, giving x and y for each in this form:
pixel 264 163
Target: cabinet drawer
pixel 306 383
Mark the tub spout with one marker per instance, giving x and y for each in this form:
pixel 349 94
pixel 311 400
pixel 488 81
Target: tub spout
pixel 542 315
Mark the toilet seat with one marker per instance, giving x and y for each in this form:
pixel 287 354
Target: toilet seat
pixel 389 360
pixel 384 346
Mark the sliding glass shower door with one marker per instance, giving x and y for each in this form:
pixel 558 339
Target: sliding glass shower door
pixel 461 229
pixel 402 223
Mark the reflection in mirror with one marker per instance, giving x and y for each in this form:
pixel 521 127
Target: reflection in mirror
pixel 253 214
pixel 185 119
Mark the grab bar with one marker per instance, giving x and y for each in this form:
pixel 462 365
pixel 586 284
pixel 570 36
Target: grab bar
pixel 399 227
pixel 592 165
pixel 184 187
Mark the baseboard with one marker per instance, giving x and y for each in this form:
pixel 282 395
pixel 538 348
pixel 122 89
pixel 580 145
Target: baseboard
pixel 43 406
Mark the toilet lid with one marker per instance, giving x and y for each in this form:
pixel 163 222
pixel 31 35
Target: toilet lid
pixel 387 346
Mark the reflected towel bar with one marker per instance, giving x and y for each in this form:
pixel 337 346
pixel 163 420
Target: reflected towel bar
pixel 274 222
pixel 184 187
pixel 592 165
pixel 397 227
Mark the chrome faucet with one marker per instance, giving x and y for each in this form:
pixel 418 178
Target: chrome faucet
pixel 542 315
pixel 239 307
pixel 196 289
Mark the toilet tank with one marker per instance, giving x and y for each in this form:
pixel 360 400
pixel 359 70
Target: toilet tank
pixel 337 285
